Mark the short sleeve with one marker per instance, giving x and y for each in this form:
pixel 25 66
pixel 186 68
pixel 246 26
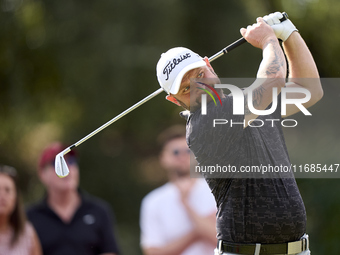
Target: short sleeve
pixel 151 232
pixel 204 200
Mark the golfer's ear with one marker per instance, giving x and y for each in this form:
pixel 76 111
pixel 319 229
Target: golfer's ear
pixel 208 63
pixel 172 99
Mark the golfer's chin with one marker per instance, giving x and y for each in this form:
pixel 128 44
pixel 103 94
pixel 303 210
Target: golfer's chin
pixel 196 103
pixel 194 108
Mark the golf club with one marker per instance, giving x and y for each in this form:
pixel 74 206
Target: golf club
pixel 61 167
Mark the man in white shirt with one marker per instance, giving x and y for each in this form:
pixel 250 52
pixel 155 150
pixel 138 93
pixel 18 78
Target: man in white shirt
pixel 178 217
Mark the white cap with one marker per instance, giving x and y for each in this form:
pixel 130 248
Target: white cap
pixel 173 65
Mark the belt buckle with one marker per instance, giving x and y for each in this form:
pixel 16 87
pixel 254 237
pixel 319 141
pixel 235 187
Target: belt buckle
pixel 298 246
pixel 295 247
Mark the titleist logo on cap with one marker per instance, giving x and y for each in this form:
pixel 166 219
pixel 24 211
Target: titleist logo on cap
pixel 171 65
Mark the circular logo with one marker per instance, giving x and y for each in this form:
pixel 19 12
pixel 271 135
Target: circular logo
pixel 89 219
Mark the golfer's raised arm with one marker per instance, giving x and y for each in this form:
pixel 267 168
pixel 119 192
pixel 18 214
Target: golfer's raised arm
pixel 272 70
pixel 302 71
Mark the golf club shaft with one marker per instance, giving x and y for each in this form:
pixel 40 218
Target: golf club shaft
pixel 217 55
pixel 116 118
pixel 238 43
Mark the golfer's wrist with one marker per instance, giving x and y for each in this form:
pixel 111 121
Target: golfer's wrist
pixel 271 39
pixel 295 34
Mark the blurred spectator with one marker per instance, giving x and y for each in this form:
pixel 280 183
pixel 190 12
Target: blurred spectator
pixel 17 236
pixel 69 221
pixel 178 217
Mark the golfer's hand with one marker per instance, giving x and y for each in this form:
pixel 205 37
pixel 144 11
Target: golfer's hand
pixel 258 34
pixel 282 29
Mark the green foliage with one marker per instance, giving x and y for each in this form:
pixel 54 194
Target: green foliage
pixel 68 66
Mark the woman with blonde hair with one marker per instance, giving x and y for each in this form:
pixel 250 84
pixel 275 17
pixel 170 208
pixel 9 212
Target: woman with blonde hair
pixel 17 235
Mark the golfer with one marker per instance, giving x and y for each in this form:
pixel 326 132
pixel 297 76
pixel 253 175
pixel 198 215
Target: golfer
pixel 255 215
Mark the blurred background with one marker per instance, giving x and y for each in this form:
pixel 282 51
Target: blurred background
pixel 69 66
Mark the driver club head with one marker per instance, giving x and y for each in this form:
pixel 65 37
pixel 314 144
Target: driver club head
pixel 61 168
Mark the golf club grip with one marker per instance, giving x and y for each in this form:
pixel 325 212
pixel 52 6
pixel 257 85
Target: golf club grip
pixel 242 40
pixel 239 42
pixel 234 45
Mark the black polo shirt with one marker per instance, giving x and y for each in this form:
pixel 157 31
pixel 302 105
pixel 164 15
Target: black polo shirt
pixel 251 208
pixel 89 232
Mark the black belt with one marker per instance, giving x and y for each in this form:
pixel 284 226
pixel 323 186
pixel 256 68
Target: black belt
pixel 281 248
